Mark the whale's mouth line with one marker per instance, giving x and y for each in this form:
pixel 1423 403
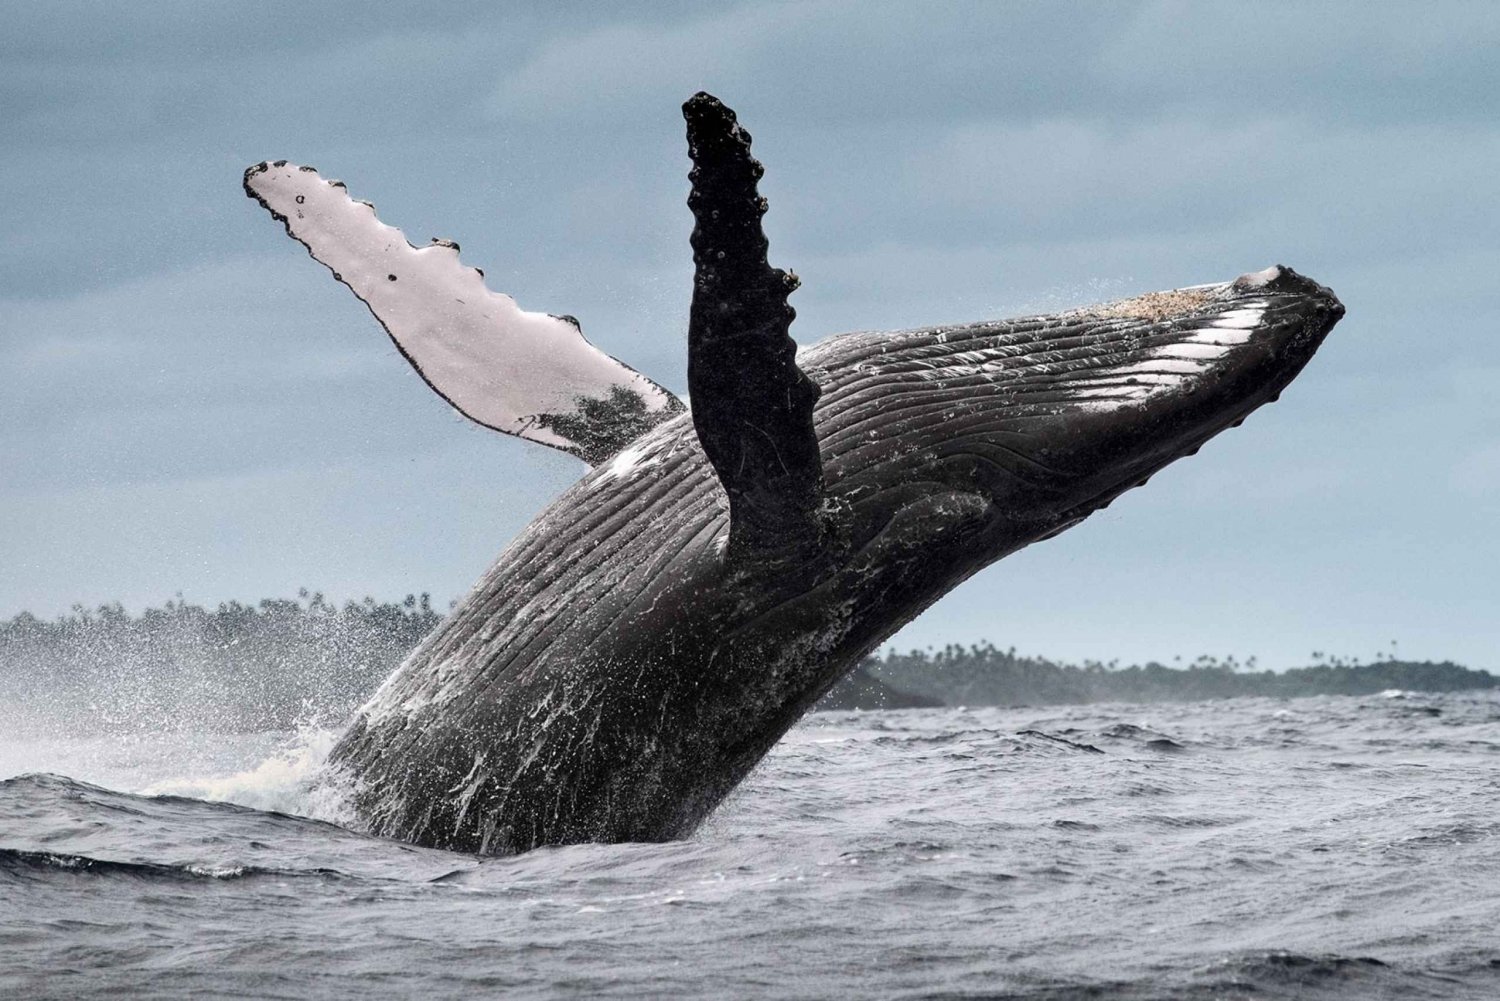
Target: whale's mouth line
pixel 1173 353
pixel 1068 409
pixel 1267 327
pixel 1190 335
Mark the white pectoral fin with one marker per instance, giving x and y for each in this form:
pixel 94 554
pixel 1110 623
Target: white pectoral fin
pixel 532 375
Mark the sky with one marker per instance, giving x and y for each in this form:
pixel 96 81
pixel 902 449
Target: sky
pixel 189 405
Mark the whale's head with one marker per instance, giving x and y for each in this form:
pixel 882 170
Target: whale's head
pixel 1052 417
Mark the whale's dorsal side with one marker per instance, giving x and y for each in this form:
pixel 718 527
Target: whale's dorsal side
pixel 753 406
pixel 532 375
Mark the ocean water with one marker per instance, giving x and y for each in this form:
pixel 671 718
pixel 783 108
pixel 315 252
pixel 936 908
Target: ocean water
pixel 1331 847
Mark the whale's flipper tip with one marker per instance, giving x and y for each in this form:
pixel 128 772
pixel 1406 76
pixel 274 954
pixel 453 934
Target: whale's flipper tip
pixel 532 375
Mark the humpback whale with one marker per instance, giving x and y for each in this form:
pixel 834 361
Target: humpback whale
pixel 635 651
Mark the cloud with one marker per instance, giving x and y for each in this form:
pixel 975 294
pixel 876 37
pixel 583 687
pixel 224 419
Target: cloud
pixel 1330 61
pixel 831 62
pixel 811 64
pixel 1477 474
pixel 441 515
pixel 626 65
pixel 210 368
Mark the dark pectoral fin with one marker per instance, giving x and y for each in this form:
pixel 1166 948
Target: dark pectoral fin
pixel 752 406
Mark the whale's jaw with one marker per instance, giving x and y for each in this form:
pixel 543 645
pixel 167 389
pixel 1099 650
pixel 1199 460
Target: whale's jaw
pixel 1052 417
pixel 1206 371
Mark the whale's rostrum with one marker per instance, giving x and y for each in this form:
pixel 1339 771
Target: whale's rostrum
pixel 635 650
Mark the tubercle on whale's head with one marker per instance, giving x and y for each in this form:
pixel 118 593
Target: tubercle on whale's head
pixel 1053 417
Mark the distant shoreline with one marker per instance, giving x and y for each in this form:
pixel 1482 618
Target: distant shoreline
pixel 985 675
pixel 285 662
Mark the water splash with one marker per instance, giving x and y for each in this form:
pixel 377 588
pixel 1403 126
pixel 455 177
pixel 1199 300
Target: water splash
pixel 291 780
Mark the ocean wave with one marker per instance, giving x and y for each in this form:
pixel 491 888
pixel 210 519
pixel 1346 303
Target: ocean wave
pixel 868 865
pixel 17 864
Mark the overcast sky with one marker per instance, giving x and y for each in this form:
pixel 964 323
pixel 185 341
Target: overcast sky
pixel 188 403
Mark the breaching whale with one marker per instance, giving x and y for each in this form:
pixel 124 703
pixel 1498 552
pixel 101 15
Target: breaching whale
pixel 640 646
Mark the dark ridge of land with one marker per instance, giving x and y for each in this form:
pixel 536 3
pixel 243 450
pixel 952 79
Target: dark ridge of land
pixel 984 675
pixel 281 663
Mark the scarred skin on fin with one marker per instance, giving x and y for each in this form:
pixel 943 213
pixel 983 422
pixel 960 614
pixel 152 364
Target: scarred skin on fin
pixel 640 646
pixel 532 375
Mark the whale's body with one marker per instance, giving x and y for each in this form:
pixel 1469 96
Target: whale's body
pixel 613 676
pixel 638 648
